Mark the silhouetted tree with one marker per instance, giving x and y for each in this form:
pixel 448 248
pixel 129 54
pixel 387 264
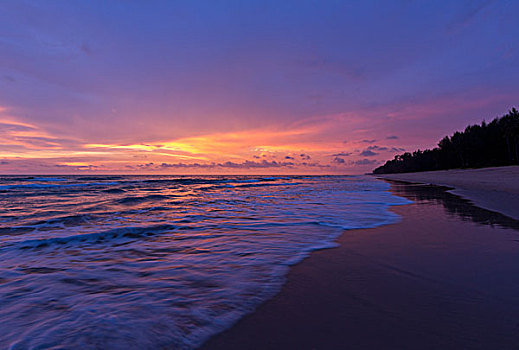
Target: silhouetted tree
pixel 492 144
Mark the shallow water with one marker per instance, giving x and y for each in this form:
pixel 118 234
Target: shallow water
pixel 145 262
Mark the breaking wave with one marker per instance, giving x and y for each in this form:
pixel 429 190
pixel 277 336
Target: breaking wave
pixel 147 262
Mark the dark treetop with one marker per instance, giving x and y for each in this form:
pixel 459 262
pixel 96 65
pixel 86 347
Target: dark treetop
pixel 485 145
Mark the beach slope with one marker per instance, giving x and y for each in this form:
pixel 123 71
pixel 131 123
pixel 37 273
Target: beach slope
pixel 445 277
pixel 495 189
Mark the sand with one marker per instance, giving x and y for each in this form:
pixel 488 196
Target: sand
pixel 494 189
pixel 445 277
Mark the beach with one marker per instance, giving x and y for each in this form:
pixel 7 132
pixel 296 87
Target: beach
pixel 444 277
pixel 227 175
pixel 239 262
pixel 494 189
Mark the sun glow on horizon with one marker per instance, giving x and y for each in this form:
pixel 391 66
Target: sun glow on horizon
pixel 296 150
pixel 297 90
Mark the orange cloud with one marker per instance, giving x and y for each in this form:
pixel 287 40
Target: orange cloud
pixel 305 147
pixel 225 146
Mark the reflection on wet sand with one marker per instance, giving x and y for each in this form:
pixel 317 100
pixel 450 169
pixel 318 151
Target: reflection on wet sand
pixel 453 204
pixel 445 277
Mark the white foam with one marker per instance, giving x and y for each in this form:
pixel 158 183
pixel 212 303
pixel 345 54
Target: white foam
pixel 173 276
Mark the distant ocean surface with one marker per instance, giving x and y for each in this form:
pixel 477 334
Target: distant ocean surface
pixel 149 262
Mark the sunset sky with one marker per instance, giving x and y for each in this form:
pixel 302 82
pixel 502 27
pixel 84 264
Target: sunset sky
pixel 260 87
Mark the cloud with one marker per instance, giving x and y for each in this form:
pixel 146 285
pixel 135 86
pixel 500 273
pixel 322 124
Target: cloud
pixel 369 141
pixel 381 149
pixel 288 157
pixel 368 153
pixel 146 166
pixel 315 165
pixel 7 78
pixel 467 16
pixel 187 165
pixel 252 164
pixel 377 148
pixel 305 156
pixel 392 137
pixel 76 167
pixel 85 48
pixel 339 160
pixel 364 161
pixel 342 154
pixel 248 164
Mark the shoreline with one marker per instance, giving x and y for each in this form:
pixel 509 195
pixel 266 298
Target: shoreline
pixel 443 277
pixel 495 189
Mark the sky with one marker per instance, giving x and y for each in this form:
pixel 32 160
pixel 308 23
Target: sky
pixel 245 87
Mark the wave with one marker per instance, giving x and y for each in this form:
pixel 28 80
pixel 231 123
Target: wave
pixel 247 185
pixel 187 261
pixel 45 225
pixel 202 181
pixel 69 220
pixel 35 186
pixel 43 179
pixel 99 178
pixel 270 184
pixel 183 181
pixel 114 190
pixel 137 200
pixel 31 178
pixel 98 237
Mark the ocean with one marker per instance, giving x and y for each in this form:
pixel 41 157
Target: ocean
pixel 149 262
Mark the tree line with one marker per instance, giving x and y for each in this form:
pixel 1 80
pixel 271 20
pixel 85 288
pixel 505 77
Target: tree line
pixel 484 145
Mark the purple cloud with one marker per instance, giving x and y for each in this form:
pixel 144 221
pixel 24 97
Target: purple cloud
pixel 368 153
pixel 363 162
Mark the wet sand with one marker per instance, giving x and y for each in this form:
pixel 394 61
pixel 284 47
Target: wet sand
pixel 495 189
pixel 445 277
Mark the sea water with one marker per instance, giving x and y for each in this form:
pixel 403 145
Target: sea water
pixel 148 262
